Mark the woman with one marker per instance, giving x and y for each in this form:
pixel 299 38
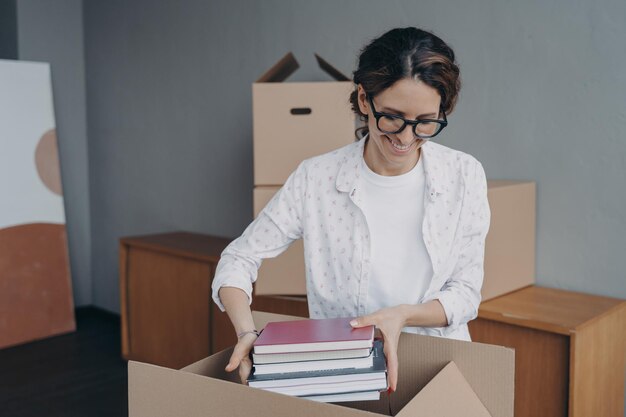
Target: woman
pixel 393 225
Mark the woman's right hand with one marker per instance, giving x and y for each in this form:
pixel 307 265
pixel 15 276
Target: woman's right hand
pixel 241 357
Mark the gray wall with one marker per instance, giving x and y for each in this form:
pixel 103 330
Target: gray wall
pixel 52 31
pixel 169 113
pixel 8 29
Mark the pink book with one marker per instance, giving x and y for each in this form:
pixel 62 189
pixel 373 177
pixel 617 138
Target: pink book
pixel 313 335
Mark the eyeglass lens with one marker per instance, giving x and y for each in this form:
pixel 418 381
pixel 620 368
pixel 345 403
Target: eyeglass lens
pixel 395 124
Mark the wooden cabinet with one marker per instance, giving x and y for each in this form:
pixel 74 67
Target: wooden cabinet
pixel 570 350
pixel 165 296
pixel 167 313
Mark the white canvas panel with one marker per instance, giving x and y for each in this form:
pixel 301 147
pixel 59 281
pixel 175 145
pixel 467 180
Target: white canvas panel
pixel 26 114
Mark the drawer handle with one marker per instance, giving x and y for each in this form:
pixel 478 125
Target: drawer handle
pixel 300 111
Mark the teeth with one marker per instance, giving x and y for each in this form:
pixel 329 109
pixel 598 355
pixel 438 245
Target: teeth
pixel 399 147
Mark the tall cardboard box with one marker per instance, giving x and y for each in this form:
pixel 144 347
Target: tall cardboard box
pixel 510 244
pixel 293 121
pixel 509 249
pixel 437 377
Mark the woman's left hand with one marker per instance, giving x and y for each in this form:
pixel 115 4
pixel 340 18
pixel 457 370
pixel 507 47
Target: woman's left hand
pixel 390 321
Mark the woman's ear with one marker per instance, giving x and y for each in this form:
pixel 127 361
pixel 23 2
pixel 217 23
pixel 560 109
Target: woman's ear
pixel 362 99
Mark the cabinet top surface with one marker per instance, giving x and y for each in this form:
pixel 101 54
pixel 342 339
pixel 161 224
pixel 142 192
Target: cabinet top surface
pixel 181 243
pixel 548 309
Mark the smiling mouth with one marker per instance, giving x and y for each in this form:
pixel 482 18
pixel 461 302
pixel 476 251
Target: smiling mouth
pixel 400 147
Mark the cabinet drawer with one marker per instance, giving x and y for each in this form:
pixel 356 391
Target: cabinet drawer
pixel 168 308
pixel 541 366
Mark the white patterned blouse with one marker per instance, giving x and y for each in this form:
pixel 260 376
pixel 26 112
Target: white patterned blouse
pixel 320 203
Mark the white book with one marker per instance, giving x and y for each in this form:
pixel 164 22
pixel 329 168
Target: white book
pixel 296 382
pixel 278 368
pixel 327 388
pixel 261 359
pixel 350 396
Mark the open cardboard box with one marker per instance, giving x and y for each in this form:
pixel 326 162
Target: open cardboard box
pixel 293 121
pixel 437 377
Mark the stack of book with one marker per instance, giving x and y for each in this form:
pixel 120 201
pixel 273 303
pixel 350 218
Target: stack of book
pixel 323 360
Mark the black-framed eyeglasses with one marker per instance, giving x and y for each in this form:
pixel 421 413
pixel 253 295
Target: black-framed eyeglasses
pixel 393 123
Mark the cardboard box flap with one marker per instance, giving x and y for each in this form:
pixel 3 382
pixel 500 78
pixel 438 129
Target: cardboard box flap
pixel 489 369
pixel 288 64
pixel 330 70
pixel 214 365
pixel 435 399
pixel 154 391
pixel 281 70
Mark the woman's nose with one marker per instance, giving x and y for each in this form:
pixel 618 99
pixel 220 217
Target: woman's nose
pixel 406 136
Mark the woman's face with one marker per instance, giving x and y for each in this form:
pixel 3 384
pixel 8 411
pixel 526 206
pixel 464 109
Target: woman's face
pixel 396 154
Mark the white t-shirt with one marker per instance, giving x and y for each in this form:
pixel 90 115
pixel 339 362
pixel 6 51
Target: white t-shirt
pixel 394 210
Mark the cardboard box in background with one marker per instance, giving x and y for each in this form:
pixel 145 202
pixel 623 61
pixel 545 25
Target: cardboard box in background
pixel 509 249
pixel 297 120
pixel 510 245
pixel 437 376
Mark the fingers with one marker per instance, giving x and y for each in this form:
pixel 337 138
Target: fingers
pixel 233 363
pixel 245 367
pixel 240 352
pixel 390 336
pixel 390 349
pixel 391 354
pixel 240 359
pixel 362 321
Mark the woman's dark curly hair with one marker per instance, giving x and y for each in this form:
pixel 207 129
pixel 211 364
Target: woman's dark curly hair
pixel 406 53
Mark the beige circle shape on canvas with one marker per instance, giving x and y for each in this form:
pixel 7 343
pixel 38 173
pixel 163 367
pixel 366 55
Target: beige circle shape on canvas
pixel 47 162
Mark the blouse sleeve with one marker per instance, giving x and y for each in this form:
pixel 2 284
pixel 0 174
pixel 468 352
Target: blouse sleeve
pixel 460 295
pixel 269 235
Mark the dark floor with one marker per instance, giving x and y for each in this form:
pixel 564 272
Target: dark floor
pixel 78 374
